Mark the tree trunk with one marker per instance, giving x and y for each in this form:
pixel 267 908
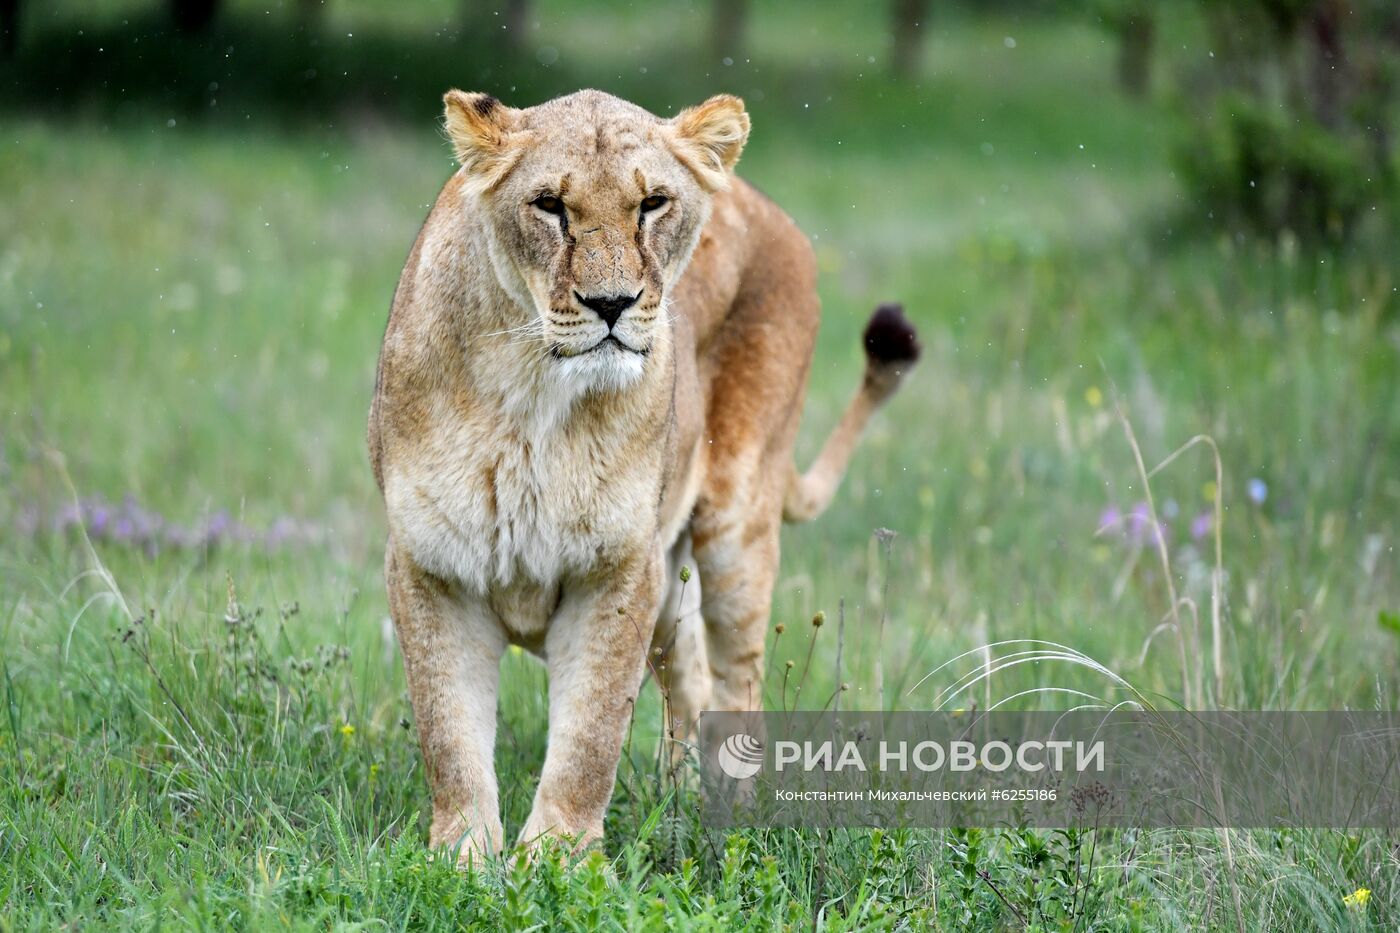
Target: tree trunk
pixel 9 28
pixel 908 28
pixel 309 14
pixel 1327 62
pixel 192 16
pixel 727 29
pixel 517 17
pixel 507 21
pixel 1384 91
pixel 1135 53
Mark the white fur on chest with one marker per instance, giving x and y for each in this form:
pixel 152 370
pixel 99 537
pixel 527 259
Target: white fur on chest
pixel 493 506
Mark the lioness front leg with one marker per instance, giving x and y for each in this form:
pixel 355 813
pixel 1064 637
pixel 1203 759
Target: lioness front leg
pixel 452 647
pixel 596 654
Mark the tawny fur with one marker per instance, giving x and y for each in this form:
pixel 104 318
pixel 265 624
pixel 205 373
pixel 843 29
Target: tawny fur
pixel 544 484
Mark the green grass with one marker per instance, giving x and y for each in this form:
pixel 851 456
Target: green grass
pixel 190 314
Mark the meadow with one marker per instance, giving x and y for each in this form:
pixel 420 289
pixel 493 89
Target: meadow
pixel 205 721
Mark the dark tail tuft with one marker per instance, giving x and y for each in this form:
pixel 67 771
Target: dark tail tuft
pixel 890 338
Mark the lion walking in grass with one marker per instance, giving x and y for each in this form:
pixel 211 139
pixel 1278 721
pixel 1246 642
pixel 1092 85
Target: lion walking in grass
pixel 593 371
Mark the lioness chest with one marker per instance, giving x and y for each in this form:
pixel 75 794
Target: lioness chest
pixel 514 514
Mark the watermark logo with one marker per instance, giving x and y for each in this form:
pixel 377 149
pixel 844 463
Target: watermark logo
pixel 1088 768
pixel 740 756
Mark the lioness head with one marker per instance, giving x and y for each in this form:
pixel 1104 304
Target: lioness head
pixel 594 206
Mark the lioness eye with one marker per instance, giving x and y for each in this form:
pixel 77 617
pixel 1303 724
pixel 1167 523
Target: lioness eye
pixel 652 203
pixel 549 204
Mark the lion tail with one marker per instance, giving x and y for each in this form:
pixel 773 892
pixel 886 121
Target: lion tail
pixel 891 350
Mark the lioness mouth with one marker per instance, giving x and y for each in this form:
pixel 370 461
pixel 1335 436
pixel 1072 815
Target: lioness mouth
pixel 559 354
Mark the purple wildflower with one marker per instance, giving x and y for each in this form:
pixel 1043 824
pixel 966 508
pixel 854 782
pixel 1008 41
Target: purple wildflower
pixel 1202 525
pixel 280 531
pixel 180 536
pixel 71 514
pixel 133 525
pixel 217 527
pixel 1135 527
pixel 1139 520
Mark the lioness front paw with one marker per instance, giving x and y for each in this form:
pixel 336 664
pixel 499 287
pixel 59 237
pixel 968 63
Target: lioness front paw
pixel 551 825
pixel 473 845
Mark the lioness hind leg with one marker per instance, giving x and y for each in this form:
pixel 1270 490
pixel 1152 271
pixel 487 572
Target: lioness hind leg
pixel 738 560
pixel 452 652
pixel 678 653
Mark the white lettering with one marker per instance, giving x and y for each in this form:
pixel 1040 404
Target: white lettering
pixel 1002 749
pixel 1021 760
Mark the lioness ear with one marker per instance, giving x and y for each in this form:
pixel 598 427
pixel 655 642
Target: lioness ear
pixel 483 134
pixel 710 137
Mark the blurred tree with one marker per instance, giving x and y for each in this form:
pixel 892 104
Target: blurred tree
pixel 309 13
pixel 727 28
pixel 1292 110
pixel 1134 22
pixel 907 27
pixel 9 27
pixel 191 16
pixel 508 19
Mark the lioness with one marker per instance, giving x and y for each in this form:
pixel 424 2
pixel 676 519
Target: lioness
pixel 594 368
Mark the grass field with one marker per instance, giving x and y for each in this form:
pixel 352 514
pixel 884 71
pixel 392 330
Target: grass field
pixel 205 716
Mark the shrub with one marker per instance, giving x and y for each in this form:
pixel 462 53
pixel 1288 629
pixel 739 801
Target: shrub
pixel 1291 110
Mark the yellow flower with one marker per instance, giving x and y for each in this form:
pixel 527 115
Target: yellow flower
pixel 1208 491
pixel 1094 396
pixel 373 772
pixel 1357 898
pixel 347 730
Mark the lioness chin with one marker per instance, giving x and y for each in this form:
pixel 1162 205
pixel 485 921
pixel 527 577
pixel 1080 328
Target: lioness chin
pixel 593 372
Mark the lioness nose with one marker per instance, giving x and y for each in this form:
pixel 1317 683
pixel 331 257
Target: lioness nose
pixel 610 307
